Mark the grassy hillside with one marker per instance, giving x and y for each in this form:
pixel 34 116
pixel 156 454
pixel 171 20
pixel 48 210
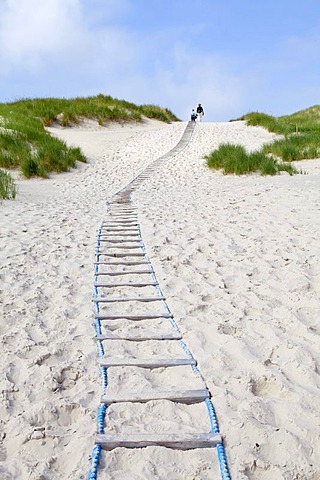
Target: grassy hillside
pixel 300 139
pixel 304 121
pixel 102 108
pixel 301 132
pixel 25 143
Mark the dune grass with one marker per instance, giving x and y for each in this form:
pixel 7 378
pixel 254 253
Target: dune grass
pixel 301 133
pixel 25 143
pixel 233 159
pixel 102 108
pixel 295 147
pixel 7 186
pixel 300 140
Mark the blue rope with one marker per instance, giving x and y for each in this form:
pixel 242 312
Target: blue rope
pixel 222 458
pixel 96 452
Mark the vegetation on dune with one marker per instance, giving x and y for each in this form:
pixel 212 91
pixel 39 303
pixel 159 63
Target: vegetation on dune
pixel 25 144
pixel 7 186
pixel 295 147
pixel 300 139
pixel 234 159
pixel 102 108
pixel 301 133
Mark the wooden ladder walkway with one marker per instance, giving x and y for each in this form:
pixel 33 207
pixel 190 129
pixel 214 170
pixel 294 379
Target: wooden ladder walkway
pixel 126 295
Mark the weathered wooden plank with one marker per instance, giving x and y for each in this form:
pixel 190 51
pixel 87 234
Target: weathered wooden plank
pixel 129 247
pixel 116 223
pixel 115 274
pixel 128 316
pixel 153 362
pixel 119 241
pixel 123 209
pixel 139 337
pixel 140 262
pixel 119 233
pixel 123 218
pixel 179 396
pixel 111 285
pixel 118 255
pixel 128 299
pixel 113 232
pixel 178 441
pixel 123 215
pixel 123 212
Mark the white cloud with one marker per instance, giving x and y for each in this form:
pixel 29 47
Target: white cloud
pixel 32 29
pixel 36 35
pixel 65 46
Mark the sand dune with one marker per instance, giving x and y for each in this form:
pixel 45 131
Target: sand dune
pixel 237 258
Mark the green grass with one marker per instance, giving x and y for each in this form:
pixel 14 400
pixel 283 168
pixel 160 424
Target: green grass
pixel 102 108
pixel 295 147
pixel 301 133
pixel 25 144
pixel 7 186
pixel 304 121
pixel 233 159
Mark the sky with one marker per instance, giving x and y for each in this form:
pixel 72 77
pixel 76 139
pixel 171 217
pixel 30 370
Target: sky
pixel 233 56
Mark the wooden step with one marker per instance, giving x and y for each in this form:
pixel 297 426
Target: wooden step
pixel 122 207
pixel 123 218
pixel 112 232
pixel 114 274
pixel 153 362
pixel 123 215
pixel 128 316
pixel 178 441
pixel 118 255
pixel 116 223
pixel 113 285
pixel 181 396
pixel 125 211
pixel 129 247
pixel 139 337
pixel 119 241
pixel 128 299
pixel 126 264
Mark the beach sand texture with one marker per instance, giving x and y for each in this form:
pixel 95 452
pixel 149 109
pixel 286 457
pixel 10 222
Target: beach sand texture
pixel 238 261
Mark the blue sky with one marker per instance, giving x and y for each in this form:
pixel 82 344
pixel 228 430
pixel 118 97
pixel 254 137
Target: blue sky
pixel 233 56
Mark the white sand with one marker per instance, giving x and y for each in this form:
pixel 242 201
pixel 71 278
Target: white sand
pixel 237 258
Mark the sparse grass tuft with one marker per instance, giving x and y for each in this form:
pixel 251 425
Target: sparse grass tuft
pixel 7 186
pixel 233 159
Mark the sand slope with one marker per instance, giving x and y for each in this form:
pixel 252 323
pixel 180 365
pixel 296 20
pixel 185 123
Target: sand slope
pixel 238 261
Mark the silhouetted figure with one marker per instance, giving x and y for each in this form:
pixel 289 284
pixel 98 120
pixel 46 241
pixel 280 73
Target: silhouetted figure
pixel 200 112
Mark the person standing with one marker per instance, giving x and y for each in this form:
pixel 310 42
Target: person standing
pixel 200 112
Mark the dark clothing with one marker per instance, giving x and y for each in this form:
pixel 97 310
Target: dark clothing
pixel 193 116
pixel 200 112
